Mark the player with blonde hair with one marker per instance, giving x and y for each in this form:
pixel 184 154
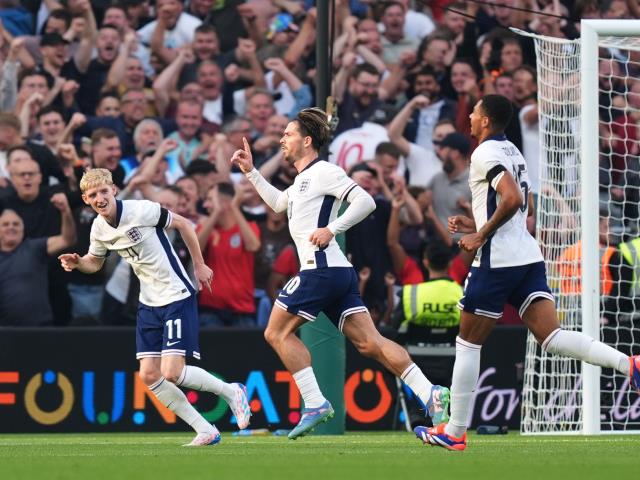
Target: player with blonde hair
pixel 167 320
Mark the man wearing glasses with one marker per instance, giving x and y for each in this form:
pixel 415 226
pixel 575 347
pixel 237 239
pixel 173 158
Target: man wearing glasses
pixel 41 216
pixel 360 101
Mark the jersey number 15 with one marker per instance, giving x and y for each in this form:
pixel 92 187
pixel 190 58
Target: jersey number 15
pixel 523 186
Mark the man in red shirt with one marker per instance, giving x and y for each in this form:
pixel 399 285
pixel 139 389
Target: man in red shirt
pixel 228 242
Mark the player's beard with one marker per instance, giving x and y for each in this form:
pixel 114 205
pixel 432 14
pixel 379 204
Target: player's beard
pixel 293 154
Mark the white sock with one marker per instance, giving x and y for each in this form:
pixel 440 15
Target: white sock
pixel 199 379
pixel 466 371
pixel 417 382
pixel 175 400
pixel 308 386
pixel 582 347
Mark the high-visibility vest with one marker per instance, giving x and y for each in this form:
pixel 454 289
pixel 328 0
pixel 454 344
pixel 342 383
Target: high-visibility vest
pixel 433 303
pixel 630 251
pixel 570 269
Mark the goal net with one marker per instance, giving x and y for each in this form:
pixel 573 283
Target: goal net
pixel 554 397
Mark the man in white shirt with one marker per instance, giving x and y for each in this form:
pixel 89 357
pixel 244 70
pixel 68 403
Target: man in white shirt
pixel 177 29
pixel 417 25
pixel 327 282
pixel 167 321
pixel 423 164
pixel 508 268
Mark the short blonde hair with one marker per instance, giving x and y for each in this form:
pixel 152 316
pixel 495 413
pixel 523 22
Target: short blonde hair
pixel 95 178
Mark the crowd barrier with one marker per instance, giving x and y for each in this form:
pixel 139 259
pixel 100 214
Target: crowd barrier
pixel 84 380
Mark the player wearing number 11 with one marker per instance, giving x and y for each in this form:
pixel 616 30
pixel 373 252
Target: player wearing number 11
pixel 167 320
pixel 508 268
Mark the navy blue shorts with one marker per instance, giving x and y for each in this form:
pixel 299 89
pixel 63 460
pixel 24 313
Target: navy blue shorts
pixel 168 330
pixel 486 291
pixel 332 290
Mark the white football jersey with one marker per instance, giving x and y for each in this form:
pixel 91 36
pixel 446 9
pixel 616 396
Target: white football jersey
pixel 140 239
pixel 313 202
pixel 511 244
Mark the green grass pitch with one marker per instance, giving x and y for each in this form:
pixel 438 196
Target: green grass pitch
pixel 382 455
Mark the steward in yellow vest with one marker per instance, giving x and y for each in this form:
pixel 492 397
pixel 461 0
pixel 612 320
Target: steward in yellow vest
pixel 428 311
pixel 428 319
pixel 622 302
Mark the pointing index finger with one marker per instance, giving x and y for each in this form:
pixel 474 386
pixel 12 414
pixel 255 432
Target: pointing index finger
pixel 246 145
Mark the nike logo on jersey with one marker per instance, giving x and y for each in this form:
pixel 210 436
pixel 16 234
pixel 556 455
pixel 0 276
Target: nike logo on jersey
pixel 171 344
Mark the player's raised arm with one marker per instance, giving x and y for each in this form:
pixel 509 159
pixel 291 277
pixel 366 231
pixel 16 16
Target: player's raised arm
pixel 273 197
pixel 510 201
pixel 243 157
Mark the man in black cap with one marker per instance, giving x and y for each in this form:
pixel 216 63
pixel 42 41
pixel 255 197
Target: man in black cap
pixel 55 48
pixel 450 188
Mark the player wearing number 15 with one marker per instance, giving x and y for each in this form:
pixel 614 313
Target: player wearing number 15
pixel 508 268
pixel 167 321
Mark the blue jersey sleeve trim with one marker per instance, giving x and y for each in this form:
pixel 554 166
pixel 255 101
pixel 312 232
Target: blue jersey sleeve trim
pixel 164 215
pixel 494 172
pixel 345 195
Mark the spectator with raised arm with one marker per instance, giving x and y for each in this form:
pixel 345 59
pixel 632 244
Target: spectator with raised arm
pixel 107 47
pixel 422 163
pixel 294 95
pixel 420 127
pixel 32 202
pixel 205 46
pixel 360 100
pixel 228 243
pixel 16 59
pixel 172 29
pixel 24 284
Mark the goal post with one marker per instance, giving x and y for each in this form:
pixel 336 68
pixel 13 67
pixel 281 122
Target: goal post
pixel 590 33
pixel 561 395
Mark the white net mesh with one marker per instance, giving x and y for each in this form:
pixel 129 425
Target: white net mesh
pixel 619 180
pixel 552 397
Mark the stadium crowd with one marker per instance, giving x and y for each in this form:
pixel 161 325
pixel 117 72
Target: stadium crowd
pixel 162 93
